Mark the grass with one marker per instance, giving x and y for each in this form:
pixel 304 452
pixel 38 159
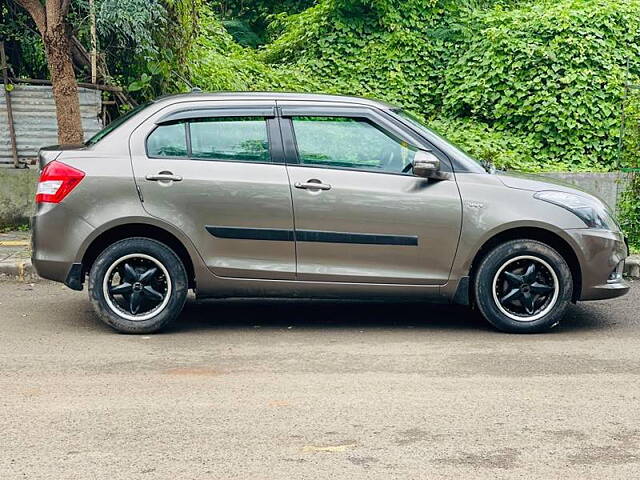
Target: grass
pixel 21 227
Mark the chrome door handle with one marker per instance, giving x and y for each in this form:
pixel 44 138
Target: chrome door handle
pixel 312 186
pixel 164 177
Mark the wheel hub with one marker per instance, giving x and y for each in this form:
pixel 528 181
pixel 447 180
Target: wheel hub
pixel 137 287
pixel 525 288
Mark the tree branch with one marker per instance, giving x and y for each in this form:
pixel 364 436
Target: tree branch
pixel 64 7
pixel 37 12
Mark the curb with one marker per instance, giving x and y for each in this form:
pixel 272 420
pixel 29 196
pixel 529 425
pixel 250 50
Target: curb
pixel 632 267
pixel 18 270
pixel 23 270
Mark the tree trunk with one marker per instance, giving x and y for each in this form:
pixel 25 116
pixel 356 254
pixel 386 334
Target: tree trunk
pixel 63 82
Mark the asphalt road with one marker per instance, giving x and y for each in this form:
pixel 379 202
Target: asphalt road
pixel 315 390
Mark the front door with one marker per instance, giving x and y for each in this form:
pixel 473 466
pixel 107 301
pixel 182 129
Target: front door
pixel 360 215
pixel 217 173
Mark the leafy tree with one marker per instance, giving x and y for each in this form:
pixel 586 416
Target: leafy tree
pixel 145 42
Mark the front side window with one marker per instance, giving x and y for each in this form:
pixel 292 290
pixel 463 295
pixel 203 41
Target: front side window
pixel 344 142
pixel 168 141
pixel 230 138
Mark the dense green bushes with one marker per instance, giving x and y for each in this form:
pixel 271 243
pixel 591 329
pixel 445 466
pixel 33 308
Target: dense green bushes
pixel 629 199
pixel 553 71
pixel 531 85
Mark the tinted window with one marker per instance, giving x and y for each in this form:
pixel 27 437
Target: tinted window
pixel 349 143
pixel 230 138
pixel 168 141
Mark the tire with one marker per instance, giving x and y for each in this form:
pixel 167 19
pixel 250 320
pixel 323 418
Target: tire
pixel 516 298
pixel 138 285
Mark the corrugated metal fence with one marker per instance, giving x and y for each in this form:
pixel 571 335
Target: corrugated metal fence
pixel 34 118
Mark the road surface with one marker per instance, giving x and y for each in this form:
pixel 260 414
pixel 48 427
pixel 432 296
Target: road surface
pixel 315 390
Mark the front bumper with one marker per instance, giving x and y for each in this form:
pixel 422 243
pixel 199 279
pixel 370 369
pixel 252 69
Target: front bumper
pixel 599 253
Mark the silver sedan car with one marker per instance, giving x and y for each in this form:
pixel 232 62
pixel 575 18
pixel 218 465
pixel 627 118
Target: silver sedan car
pixel 298 195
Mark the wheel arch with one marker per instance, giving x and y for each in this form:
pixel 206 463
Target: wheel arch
pixel 555 241
pixel 128 230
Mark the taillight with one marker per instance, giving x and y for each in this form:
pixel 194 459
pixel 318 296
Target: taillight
pixel 56 182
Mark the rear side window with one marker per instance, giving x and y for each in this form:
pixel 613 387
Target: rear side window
pixel 168 141
pixel 239 139
pixel 344 142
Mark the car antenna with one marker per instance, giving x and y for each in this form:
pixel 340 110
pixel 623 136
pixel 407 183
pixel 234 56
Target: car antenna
pixel 191 87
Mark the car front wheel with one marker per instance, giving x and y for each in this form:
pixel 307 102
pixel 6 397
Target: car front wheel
pixel 138 285
pixel 523 286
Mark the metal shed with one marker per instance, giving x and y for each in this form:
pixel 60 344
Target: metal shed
pixel 34 118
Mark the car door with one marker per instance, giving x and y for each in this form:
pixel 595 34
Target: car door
pixel 216 171
pixel 360 214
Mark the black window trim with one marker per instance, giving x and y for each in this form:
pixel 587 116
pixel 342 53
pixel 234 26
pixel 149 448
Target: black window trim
pixel 213 112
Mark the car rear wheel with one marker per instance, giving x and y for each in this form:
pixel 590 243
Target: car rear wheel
pixel 523 286
pixel 138 285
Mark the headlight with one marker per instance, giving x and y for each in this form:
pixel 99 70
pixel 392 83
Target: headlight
pixel 592 212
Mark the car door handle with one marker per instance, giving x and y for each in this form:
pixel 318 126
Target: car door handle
pixel 312 186
pixel 164 177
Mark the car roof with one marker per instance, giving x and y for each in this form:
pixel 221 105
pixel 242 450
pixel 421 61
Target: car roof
pixel 289 96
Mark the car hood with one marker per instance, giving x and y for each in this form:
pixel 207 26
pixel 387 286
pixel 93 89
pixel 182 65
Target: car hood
pixel 536 183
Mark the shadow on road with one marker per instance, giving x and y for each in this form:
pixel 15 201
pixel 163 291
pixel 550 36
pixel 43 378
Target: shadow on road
pixel 331 314
pixel 323 314
pixel 336 314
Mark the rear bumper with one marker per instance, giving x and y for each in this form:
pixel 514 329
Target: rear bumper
pixel 599 253
pixel 57 236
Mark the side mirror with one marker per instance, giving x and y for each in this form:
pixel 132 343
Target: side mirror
pixel 426 164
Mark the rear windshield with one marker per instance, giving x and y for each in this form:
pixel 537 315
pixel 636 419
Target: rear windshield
pixel 115 124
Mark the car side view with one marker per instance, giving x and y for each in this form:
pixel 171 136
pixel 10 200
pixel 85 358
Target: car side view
pixel 300 195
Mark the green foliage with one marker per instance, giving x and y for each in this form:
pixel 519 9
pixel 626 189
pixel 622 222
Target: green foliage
pixel 552 71
pixel 505 150
pixel 23 43
pixel 248 21
pixel 216 62
pixel 242 33
pixel 531 85
pixel 629 200
pixel 629 211
pixel 130 24
pixel 146 42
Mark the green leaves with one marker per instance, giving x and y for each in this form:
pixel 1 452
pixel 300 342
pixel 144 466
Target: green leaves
pixel 142 83
pixel 530 85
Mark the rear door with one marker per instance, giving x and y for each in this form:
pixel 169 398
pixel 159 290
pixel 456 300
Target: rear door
pixel 216 171
pixel 360 214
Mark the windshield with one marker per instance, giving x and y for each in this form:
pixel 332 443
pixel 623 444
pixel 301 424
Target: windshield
pixel 115 124
pixel 460 154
